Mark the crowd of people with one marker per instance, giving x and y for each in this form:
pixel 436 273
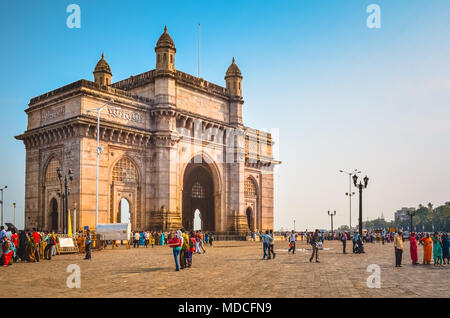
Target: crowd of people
pixel 146 238
pixel 436 247
pixel 184 245
pixel 36 245
pixel 26 246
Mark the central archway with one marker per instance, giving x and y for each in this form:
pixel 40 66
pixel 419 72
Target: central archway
pixel 198 194
pixel 54 215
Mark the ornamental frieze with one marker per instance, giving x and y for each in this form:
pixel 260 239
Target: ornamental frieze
pixel 52 114
pixel 115 113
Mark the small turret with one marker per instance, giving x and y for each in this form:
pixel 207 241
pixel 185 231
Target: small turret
pixel 233 78
pixel 165 52
pixel 102 72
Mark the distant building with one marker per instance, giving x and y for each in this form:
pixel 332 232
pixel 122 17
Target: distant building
pixel 402 214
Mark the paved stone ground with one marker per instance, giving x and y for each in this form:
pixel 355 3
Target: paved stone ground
pixel 228 269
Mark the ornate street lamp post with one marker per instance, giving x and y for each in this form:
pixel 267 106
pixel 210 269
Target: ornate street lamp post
pixel 1 190
pixel 350 193
pixel 360 186
pixel 332 214
pixel 411 214
pixel 14 206
pixel 64 193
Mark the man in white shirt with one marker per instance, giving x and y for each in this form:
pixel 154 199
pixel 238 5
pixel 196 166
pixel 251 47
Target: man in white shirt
pixel 146 238
pixel 137 237
pixel 292 239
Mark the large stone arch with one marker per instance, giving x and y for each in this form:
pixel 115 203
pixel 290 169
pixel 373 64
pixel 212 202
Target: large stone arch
pixel 252 202
pixel 201 169
pixel 52 203
pixel 125 178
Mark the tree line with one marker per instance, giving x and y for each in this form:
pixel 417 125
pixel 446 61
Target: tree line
pixel 426 219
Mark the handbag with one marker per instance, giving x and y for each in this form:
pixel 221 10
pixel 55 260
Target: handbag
pixel 174 242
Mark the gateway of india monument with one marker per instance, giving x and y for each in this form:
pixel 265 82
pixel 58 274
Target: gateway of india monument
pixel 170 144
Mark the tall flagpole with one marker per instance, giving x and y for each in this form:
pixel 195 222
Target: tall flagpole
pixel 199 50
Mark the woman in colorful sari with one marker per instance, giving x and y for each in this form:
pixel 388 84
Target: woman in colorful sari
pixel 437 249
pixel 151 239
pixel 427 249
pixel 9 251
pixel 162 239
pixel 22 245
pixel 141 238
pixel 445 248
pixel 413 249
pixel 29 249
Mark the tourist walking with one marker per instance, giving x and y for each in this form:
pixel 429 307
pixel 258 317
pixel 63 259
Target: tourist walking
pixel 270 248
pixel 162 239
pixel 200 243
pixel 48 247
pixel 292 239
pixel 184 249
pixel 413 249
pixel 37 240
pixel 211 239
pixel 427 249
pixel 445 248
pixel 175 243
pixel 398 246
pixel 344 242
pixel 266 238
pixel 147 238
pixel 437 249
pixel 88 245
pixel 137 237
pixel 315 239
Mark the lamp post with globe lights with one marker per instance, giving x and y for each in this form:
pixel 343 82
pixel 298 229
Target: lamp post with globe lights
pixel 360 186
pixel 350 193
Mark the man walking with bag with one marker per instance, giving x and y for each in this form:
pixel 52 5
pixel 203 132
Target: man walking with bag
pixel 88 245
pixel 314 244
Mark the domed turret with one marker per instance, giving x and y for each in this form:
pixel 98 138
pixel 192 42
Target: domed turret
pixel 165 52
pixel 233 78
pixel 102 72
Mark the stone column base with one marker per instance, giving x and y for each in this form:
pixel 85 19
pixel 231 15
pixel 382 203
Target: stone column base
pixel 165 220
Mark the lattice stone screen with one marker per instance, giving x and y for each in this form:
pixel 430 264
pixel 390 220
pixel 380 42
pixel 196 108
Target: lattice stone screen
pixel 51 175
pixel 198 191
pixel 249 187
pixel 125 171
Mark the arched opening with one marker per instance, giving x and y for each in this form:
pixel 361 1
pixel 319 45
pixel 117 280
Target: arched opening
pixel 124 211
pixel 198 194
pixel 197 220
pixel 54 215
pixel 248 213
pixel 125 194
pixel 51 187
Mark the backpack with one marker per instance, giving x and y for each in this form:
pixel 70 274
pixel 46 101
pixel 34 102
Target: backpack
pixel 174 242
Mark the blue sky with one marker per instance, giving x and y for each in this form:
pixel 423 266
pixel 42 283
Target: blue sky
pixel 341 95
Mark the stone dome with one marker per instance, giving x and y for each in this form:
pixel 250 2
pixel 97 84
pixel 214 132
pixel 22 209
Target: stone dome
pixel 233 70
pixel 165 40
pixel 102 66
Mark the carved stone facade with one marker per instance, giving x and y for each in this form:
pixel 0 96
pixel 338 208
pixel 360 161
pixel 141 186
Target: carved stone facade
pixel 172 143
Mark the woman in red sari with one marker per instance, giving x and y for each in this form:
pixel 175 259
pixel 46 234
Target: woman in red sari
pixel 413 249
